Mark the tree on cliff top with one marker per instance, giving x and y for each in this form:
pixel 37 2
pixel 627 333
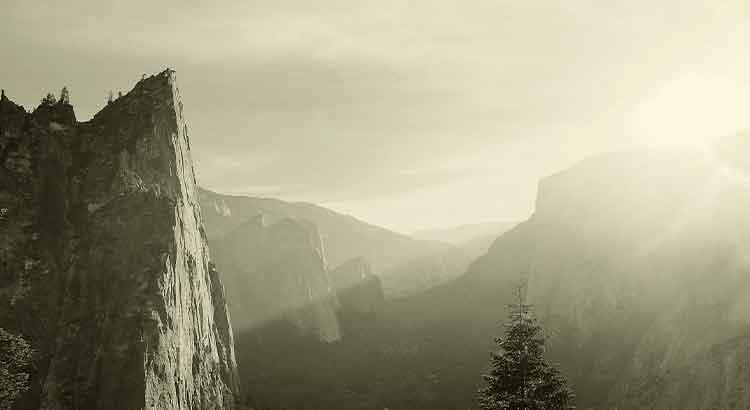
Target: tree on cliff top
pixel 64 96
pixel 520 378
pixel 49 99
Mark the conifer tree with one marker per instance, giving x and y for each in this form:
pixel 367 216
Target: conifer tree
pixel 64 96
pixel 49 99
pixel 520 378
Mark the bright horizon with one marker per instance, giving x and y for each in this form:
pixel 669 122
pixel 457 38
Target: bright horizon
pixel 407 116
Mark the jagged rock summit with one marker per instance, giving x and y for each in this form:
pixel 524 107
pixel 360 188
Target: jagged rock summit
pixel 106 273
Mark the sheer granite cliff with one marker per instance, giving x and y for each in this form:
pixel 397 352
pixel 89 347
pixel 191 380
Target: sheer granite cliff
pixel 105 271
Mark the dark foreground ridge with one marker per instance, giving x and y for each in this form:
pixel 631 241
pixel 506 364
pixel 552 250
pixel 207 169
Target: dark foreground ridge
pixel 105 277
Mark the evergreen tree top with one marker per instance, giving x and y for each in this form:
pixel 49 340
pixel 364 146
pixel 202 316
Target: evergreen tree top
pixel 520 378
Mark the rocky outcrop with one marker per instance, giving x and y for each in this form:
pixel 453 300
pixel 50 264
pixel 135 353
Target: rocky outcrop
pixel 278 272
pixel 359 291
pixel 105 270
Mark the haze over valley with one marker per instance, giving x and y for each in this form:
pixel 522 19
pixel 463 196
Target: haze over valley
pixel 516 205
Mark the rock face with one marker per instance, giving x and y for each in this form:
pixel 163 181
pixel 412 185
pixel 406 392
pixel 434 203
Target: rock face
pixel 359 290
pixel 105 269
pixel 278 272
pixel 288 310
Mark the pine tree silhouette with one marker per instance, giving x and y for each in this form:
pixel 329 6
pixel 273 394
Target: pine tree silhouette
pixel 520 378
pixel 64 96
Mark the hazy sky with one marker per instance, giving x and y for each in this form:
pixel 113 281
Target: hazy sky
pixel 408 114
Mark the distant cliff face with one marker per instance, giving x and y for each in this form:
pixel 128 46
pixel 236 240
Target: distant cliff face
pixel 359 290
pixel 278 272
pixel 106 273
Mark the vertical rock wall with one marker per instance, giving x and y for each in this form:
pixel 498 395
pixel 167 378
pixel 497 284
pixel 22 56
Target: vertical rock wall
pixel 106 272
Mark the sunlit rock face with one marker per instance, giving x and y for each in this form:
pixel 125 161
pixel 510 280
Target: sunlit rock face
pixel 105 270
pixel 278 272
pixel 359 291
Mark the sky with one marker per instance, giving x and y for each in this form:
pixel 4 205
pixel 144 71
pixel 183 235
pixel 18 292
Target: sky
pixel 406 114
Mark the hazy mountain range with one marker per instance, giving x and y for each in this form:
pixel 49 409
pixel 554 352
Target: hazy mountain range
pixel 464 233
pixel 404 264
pixel 636 262
pixel 344 236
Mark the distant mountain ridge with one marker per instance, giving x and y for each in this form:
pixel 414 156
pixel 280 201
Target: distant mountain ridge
pixel 344 237
pixel 463 233
pixel 636 263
